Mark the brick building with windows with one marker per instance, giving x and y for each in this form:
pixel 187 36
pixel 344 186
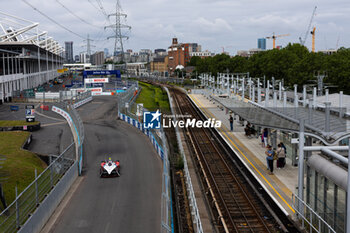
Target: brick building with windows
pixel 180 54
pixel 160 64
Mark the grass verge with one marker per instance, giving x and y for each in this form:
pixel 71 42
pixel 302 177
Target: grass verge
pixel 153 98
pixel 16 123
pixel 19 165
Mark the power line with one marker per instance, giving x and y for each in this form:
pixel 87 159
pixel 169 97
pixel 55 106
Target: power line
pixel 81 19
pixel 99 3
pixel 52 20
pixel 93 5
pixel 118 26
pixel 100 34
pixel 99 8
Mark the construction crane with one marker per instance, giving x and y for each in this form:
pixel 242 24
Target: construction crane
pixel 223 48
pixel 337 45
pixel 273 37
pixel 313 39
pixel 302 42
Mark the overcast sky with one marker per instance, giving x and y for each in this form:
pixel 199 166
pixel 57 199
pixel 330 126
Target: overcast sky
pixel 235 25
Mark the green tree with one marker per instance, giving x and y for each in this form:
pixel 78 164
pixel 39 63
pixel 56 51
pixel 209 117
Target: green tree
pixel 294 63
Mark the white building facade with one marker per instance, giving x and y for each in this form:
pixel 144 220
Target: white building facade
pixel 28 57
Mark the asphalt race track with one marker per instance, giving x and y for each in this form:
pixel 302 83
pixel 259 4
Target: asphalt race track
pixel 130 203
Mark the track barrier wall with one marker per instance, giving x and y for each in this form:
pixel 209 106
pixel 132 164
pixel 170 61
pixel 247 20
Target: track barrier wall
pixel 166 204
pixel 37 221
pixel 159 142
pixel 147 132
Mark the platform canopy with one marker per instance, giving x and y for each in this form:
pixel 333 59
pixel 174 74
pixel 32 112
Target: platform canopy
pixel 18 31
pixel 287 119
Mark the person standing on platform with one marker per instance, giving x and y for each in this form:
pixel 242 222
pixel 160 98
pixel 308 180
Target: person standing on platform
pixel 269 158
pixel 281 156
pixel 231 122
pixel 266 135
pixel 262 138
pixel 284 148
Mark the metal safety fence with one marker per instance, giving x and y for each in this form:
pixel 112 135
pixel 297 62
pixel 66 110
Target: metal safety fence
pixel 310 220
pixel 73 96
pixel 26 202
pixel 191 195
pixel 77 125
pixel 126 98
pixel 17 213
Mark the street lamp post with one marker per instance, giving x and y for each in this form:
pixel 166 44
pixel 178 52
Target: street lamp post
pixel 301 167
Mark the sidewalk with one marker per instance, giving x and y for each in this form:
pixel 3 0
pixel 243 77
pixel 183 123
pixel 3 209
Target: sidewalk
pixel 280 185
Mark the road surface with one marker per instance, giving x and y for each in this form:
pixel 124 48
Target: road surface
pixel 130 203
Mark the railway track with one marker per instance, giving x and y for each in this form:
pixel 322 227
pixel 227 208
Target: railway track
pixel 235 207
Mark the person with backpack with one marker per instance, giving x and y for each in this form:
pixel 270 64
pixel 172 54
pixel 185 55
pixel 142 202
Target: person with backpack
pixel 284 147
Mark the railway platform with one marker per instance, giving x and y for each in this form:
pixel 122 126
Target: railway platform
pixel 281 184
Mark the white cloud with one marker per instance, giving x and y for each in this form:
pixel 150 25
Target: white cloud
pixel 217 25
pixel 211 23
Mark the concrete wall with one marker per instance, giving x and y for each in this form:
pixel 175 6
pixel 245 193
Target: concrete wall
pixel 41 215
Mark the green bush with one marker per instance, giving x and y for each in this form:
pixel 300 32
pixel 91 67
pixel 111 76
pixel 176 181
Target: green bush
pixel 179 165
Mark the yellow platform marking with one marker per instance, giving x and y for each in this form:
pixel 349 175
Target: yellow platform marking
pixel 228 138
pixel 284 188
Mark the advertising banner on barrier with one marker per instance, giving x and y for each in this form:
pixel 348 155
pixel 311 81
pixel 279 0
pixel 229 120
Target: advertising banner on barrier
pixel 63 113
pixel 95 91
pixel 96 80
pixel 78 104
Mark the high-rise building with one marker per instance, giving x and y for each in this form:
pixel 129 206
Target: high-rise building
pixel 69 51
pixel 262 43
pixel 194 47
pixel 77 59
pixel 106 52
pixel 83 58
pixel 97 58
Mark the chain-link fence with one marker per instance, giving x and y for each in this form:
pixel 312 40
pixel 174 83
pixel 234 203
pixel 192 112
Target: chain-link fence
pixel 126 98
pixel 77 127
pixel 159 79
pixel 17 213
pixel 73 96
pixel 167 224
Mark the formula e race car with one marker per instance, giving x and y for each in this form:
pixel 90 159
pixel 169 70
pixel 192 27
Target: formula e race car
pixel 110 168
